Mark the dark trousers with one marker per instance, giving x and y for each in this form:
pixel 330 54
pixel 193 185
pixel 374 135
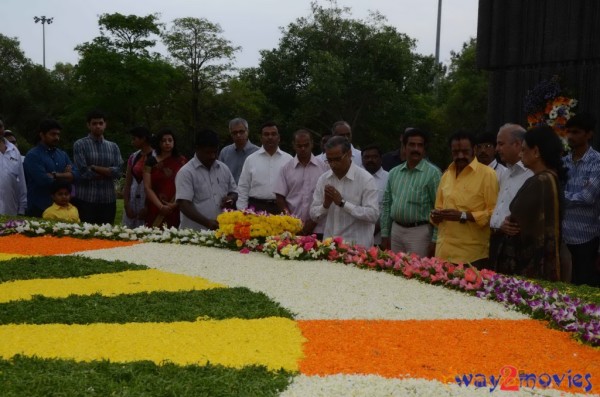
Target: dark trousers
pixel 583 259
pixel 34 212
pixel 98 213
pixel 269 206
pixel 496 238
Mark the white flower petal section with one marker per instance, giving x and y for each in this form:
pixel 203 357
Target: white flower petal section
pixel 314 289
pixel 375 386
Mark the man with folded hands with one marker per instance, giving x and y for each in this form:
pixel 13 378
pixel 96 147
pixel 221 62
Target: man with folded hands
pixel 346 196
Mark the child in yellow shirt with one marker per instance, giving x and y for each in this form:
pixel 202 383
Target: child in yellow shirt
pixel 61 209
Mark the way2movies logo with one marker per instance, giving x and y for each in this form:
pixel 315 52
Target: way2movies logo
pixel 511 379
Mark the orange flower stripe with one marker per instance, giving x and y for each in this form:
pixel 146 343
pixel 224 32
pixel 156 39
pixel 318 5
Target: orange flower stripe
pixel 441 349
pixel 50 245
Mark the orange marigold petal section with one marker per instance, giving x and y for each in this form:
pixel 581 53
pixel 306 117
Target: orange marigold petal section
pixel 50 245
pixel 441 349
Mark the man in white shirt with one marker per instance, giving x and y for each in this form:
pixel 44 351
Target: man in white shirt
pixel 508 145
pixel 13 190
pixel 342 128
pixel 204 185
pixel 347 196
pixel 261 169
pixel 371 159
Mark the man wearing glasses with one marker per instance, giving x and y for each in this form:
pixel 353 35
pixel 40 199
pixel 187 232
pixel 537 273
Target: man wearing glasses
pixel 346 196
pixel 485 150
pixel 235 154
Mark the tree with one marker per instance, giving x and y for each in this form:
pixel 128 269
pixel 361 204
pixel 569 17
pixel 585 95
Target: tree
pixel 329 67
pixel 462 104
pixel 11 79
pixel 118 73
pixel 29 92
pixel 197 46
pixel 129 34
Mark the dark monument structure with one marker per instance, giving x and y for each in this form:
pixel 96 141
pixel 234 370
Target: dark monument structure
pixel 522 42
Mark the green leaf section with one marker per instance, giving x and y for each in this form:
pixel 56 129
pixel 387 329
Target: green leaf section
pixel 59 267
pixel 219 303
pixel 33 377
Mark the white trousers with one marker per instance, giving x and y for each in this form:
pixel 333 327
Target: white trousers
pixel 411 239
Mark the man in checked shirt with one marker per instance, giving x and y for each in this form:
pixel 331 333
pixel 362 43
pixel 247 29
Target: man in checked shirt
pixel 580 226
pixel 100 163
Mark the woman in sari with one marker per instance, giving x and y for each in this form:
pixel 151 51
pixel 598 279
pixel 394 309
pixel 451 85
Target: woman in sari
pixel 159 181
pixel 532 242
pixel 134 196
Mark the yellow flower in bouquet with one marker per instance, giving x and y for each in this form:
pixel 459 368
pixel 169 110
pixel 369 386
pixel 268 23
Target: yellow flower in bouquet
pixel 247 224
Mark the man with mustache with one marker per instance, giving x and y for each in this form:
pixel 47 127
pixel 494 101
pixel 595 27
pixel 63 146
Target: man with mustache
pixel 46 166
pixel 371 159
pixel 13 199
pixel 485 151
pixel 260 171
pixel 295 186
pixel 464 203
pixel 409 198
pixel 204 185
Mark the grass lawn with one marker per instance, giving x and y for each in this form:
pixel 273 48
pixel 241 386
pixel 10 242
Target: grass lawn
pixel 119 214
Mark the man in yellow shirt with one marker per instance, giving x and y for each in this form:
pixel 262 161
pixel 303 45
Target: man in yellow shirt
pixel 464 203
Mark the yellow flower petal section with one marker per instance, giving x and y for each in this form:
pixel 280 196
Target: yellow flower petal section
pixel 274 342
pixel 5 257
pixel 109 284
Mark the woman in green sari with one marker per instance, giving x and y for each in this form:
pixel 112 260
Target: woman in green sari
pixel 532 242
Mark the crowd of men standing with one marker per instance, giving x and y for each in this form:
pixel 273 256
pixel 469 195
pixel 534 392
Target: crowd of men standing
pixel 508 201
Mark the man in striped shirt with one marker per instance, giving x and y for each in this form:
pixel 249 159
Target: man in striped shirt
pixel 581 227
pixel 409 198
pixel 100 163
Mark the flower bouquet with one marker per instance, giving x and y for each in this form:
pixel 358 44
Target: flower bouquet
pixel 547 104
pixel 249 228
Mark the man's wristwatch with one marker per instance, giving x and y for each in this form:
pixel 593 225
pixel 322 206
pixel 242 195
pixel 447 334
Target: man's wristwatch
pixel 463 217
pixel 54 174
pixel 342 203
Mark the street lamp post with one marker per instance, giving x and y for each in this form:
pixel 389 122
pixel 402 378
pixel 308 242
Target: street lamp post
pixel 437 35
pixel 44 21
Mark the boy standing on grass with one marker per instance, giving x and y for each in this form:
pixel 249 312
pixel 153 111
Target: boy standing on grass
pixel 61 209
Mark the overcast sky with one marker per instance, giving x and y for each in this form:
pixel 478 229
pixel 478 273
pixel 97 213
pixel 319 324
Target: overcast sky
pixel 252 24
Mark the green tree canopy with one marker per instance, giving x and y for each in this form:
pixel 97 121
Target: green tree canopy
pixel 118 73
pixel 197 46
pixel 329 66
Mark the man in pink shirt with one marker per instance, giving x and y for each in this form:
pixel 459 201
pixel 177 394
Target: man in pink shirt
pixel 296 183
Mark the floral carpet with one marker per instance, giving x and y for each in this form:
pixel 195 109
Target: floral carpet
pixel 354 331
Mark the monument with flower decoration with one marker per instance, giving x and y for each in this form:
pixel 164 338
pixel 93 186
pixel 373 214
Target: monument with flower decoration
pixel 547 104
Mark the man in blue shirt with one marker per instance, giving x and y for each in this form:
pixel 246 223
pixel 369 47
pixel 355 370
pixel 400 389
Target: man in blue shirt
pixel 46 165
pixel 581 225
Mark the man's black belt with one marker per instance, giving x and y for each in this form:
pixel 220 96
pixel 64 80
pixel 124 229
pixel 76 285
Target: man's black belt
pixel 413 224
pixel 262 200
